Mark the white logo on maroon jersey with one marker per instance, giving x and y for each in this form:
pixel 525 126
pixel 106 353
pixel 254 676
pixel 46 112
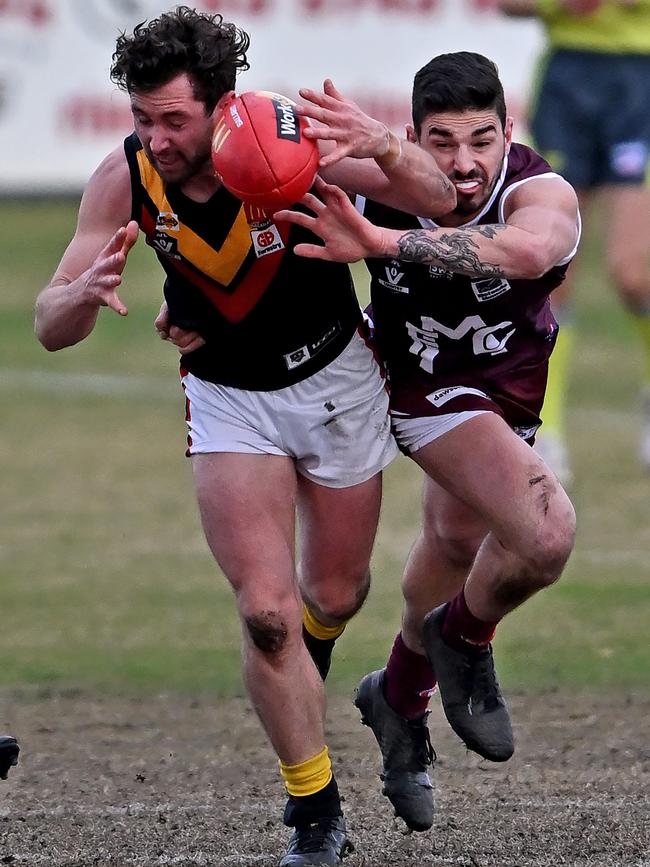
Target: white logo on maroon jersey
pixel 436 273
pixel 485 338
pixel 393 279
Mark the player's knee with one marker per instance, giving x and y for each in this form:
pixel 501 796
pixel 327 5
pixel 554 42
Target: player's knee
pixel 553 543
pixel 335 602
pixel 458 547
pixel 268 630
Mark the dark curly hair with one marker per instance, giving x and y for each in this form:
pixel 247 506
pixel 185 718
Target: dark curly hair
pixel 457 82
pixel 210 50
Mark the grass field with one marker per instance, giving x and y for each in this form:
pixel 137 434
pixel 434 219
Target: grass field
pixel 107 583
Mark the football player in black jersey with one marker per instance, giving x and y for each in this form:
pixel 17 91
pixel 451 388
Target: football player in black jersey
pixel 279 391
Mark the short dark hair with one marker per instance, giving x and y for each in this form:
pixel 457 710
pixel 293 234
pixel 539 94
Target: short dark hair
pixel 457 82
pixel 210 50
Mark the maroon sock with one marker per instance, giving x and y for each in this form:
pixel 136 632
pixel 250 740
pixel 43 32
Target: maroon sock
pixel 408 681
pixel 461 629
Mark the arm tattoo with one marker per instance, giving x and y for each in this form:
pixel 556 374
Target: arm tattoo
pixel 455 251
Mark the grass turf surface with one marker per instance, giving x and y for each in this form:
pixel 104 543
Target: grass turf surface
pixel 107 582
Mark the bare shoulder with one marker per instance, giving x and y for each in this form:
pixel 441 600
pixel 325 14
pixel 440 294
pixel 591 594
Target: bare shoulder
pixel 550 191
pixel 105 207
pixel 107 196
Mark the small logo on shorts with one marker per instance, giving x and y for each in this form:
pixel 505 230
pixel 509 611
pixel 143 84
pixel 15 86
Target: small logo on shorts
pixel 443 395
pixel 525 432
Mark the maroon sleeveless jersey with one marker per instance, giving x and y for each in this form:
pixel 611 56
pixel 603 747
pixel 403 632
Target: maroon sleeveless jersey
pixel 452 343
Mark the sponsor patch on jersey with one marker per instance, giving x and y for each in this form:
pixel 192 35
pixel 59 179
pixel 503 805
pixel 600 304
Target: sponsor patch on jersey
pixel 166 221
pixel 490 288
pixel 304 353
pixel 164 244
pixel 266 239
pixel 443 395
pixel 439 273
pixel 394 277
pixel 629 159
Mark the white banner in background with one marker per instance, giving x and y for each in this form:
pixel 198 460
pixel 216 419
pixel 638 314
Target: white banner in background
pixel 60 114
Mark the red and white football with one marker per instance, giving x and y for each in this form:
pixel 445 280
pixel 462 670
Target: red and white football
pixel 260 153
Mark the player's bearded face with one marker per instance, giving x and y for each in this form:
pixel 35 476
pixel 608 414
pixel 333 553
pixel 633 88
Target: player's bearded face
pixel 175 131
pixel 469 147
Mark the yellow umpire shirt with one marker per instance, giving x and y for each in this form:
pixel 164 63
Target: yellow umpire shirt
pixel 614 28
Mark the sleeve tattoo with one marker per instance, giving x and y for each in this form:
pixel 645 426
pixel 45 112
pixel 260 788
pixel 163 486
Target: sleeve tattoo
pixel 454 252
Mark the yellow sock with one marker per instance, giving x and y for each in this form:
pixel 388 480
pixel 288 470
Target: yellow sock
pixel 642 324
pixel 317 629
pixel 308 777
pixel 558 382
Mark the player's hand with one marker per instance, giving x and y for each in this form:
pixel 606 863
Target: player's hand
pixel 341 121
pixel 185 341
pixel 105 274
pixel 347 235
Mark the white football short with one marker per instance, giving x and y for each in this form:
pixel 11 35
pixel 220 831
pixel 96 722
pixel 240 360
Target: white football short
pixel 415 433
pixel 334 424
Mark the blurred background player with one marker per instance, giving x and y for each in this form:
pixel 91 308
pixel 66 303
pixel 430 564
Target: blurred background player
pixel 9 750
pixel 591 120
pixel 286 404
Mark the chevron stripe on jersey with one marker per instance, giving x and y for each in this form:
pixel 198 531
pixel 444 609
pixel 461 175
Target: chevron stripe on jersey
pixel 269 318
pixel 226 269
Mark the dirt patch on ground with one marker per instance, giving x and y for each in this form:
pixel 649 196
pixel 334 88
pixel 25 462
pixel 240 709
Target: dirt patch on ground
pixel 171 781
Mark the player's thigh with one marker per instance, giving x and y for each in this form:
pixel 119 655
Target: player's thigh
pixel 452 528
pixel 337 529
pixel 485 465
pixel 247 506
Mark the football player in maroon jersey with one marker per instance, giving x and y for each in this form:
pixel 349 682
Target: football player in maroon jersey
pixel 464 327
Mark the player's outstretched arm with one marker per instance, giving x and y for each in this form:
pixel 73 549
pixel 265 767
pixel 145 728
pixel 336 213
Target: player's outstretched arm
pixel 90 270
pixel 542 229
pixel 362 155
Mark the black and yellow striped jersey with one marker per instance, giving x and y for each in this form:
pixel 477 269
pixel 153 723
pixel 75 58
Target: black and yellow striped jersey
pixel 269 318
